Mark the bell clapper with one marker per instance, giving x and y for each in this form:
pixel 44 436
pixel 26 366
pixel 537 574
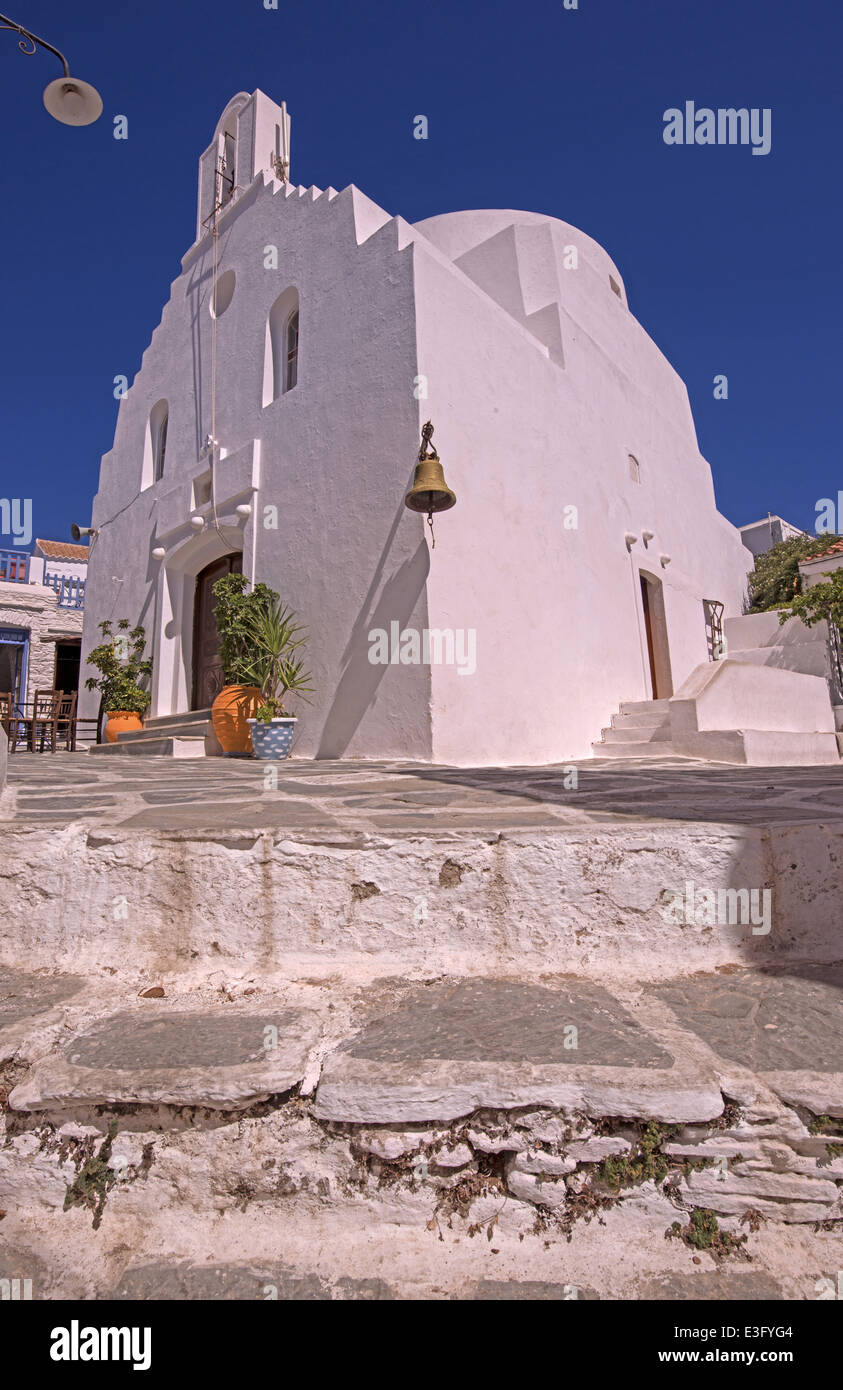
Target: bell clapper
pixel 430 524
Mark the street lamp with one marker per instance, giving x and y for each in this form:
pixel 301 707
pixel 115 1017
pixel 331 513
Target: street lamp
pixel 67 99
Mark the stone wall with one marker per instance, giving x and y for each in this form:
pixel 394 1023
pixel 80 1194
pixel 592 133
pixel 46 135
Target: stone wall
pixel 35 607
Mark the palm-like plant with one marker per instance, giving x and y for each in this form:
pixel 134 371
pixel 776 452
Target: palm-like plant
pixel 274 638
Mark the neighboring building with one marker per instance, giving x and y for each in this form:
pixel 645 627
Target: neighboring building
pixel 42 598
pixel 761 536
pixel 817 569
pixel 584 554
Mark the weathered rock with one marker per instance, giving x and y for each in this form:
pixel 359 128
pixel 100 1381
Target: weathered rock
pixel 539 1161
pixel 496 1143
pixel 528 1187
pixel 391 1144
pixel 456 1156
pixel 595 1150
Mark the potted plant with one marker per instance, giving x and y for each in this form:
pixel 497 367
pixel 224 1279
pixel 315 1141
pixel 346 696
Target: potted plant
pixel 275 638
pixel 239 697
pixel 121 665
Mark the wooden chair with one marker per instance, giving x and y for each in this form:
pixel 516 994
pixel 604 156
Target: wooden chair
pixel 6 711
pixel 66 719
pixel 44 715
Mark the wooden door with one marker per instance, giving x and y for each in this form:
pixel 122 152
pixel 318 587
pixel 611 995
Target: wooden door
pixel 648 627
pixel 207 669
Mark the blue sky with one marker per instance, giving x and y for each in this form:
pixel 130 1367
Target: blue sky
pixel 731 261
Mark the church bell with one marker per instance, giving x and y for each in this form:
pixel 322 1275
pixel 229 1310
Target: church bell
pixel 429 493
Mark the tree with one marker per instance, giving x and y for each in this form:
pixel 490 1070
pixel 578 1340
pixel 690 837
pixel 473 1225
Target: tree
pixel 820 603
pixel 776 580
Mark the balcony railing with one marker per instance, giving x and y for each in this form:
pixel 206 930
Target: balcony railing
pixel 70 590
pixel 14 566
pixel 15 569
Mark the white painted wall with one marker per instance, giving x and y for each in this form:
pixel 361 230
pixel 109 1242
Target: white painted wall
pixel 539 383
pixel 558 612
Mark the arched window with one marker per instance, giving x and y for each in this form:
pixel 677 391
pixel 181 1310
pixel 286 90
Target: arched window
pixel 281 358
pixel 634 469
pixel 161 444
pixel 292 350
pixel 155 444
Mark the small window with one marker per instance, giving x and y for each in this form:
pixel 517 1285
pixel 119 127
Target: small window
pixel 155 444
pixel 281 354
pixel 202 490
pixel 615 286
pixel 161 446
pixel 634 469
pixel 292 350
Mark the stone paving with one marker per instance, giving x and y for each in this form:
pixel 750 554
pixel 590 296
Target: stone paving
pixel 403 1052
pixel 226 1060
pixel 317 1168
pixel 397 797
pixel 425 1045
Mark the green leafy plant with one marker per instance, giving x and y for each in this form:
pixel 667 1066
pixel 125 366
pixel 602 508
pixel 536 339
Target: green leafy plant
pixel 235 612
pixel 822 602
pixel 274 638
pixel 776 581
pixel 122 667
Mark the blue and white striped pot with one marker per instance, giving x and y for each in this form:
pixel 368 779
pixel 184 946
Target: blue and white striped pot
pixel 272 742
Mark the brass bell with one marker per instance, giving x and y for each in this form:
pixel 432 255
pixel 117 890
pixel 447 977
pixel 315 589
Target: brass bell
pixel 429 493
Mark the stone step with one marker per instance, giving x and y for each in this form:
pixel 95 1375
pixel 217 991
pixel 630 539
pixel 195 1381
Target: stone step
pixel 656 748
pixel 153 747
pixel 175 728
pixel 644 706
pixel 188 716
pixel 647 719
pixel 645 733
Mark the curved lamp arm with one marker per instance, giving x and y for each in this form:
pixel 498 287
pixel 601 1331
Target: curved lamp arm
pixel 6 23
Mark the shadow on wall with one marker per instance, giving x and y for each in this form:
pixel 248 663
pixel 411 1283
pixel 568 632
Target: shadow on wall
pixel 360 678
pixel 771 846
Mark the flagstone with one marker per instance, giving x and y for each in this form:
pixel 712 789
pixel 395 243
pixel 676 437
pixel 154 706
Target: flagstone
pixel 222 1060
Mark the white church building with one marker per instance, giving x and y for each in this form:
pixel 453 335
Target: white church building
pixel 274 426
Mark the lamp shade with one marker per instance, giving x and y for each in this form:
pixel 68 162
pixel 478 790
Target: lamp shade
pixel 72 102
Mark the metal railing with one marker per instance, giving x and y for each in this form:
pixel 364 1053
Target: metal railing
pixel 70 589
pixel 14 566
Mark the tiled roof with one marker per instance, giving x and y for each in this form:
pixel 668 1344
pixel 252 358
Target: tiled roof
pixel 836 549
pixel 62 550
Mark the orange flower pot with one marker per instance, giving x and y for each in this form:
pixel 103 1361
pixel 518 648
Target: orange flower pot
pixel 234 705
pixel 121 721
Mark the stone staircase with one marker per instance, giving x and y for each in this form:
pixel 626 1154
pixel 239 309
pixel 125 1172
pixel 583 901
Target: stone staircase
pixel 641 729
pixel 188 735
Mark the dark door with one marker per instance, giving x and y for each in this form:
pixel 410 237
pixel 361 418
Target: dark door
pixel 648 625
pixel 67 666
pixel 207 671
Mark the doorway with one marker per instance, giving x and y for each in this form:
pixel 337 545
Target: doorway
pixel 655 627
pixel 66 677
pixel 207 668
pixel 14 649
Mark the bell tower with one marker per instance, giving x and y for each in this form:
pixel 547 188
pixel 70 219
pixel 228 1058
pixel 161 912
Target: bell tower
pixel 252 137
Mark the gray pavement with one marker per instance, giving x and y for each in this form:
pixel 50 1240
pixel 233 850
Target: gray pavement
pixel 438 1051
pixel 215 793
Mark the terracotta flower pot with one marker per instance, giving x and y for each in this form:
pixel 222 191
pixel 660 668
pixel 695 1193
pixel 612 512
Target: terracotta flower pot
pixel 234 705
pixel 121 721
